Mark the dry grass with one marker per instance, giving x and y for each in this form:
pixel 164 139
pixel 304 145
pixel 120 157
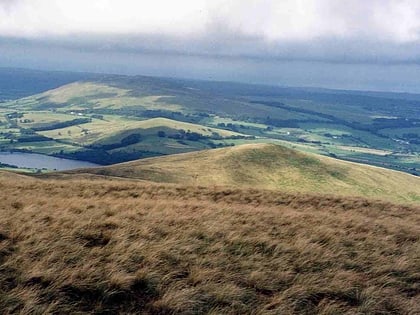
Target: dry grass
pixel 106 247
pixel 274 167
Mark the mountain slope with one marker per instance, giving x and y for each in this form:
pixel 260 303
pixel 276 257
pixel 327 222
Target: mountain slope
pixel 270 166
pixel 104 246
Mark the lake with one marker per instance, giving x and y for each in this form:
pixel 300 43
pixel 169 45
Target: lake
pixel 33 160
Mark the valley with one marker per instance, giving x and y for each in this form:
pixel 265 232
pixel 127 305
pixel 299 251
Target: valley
pixel 107 119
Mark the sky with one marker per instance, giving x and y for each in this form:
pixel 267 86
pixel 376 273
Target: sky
pixel 353 44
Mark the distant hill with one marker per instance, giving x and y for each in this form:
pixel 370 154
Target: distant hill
pixel 269 166
pixel 17 83
pixel 376 128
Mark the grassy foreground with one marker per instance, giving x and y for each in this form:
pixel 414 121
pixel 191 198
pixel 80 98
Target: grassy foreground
pixel 112 246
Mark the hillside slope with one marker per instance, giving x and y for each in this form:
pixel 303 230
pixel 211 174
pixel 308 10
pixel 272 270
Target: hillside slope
pixel 270 166
pixel 79 246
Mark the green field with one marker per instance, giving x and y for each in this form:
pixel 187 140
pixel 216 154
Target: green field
pixel 119 118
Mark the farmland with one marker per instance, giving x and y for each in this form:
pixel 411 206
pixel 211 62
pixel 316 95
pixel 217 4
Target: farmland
pixel 109 119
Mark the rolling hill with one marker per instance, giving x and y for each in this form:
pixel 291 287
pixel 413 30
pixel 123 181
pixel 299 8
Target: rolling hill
pixel 269 166
pixel 374 128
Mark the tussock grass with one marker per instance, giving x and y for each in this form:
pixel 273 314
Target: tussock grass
pixel 110 246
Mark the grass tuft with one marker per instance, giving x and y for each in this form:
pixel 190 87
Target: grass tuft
pixel 124 247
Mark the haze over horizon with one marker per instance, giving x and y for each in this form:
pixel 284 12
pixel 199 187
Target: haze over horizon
pixel 314 43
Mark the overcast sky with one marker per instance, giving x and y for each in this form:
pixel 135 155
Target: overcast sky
pixel 369 44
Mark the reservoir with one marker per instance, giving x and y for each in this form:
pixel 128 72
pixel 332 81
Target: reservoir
pixel 40 161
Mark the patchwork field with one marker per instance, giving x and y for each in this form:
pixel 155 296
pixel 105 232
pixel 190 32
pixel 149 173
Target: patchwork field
pixel 80 120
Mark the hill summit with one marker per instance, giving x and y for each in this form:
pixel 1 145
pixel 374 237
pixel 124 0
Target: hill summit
pixel 269 166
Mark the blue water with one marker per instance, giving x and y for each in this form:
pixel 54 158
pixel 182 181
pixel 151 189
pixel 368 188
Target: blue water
pixel 40 161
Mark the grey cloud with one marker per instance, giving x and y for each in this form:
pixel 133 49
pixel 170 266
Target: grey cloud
pixel 374 31
pixel 232 46
pixel 394 77
pixel 237 39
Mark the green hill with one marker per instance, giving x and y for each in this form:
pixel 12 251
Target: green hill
pixel 75 120
pixel 270 166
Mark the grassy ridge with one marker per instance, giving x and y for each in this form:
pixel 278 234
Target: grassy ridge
pixel 105 130
pixel 110 246
pixel 271 167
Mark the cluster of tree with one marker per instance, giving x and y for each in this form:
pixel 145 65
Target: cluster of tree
pixel 219 145
pixel 100 156
pixel 229 126
pixel 32 138
pixel 190 118
pixel 3 165
pixel 14 115
pixel 8 135
pixel 308 141
pixel 25 135
pixel 126 141
pixel 233 127
pixel 63 124
pixel 187 135
pixel 26 121
pixel 195 136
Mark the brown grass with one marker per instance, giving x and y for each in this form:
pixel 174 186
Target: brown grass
pixel 106 247
pixel 268 166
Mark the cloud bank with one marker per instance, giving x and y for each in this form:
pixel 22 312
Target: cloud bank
pixel 350 44
pixel 326 30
